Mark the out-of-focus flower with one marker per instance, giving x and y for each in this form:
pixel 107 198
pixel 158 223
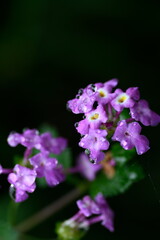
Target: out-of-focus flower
pixel 141 112
pixel 23 180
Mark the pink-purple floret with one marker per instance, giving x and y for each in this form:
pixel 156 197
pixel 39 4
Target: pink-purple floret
pixel 102 108
pixel 93 211
pixel 22 178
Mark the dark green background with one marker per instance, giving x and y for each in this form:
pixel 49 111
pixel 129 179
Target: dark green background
pixel 51 48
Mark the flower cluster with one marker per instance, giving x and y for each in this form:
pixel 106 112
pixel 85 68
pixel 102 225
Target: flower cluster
pixel 90 212
pixel 22 177
pixel 102 108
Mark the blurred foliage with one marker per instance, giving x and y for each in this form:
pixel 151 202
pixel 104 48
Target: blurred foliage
pixel 124 177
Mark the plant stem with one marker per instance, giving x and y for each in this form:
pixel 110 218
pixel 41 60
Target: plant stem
pixel 49 210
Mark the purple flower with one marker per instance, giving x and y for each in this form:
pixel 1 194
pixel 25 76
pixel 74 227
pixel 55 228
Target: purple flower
pixel 99 207
pixel 141 112
pixel 52 145
pixel 29 138
pixel 129 137
pixel 125 99
pixel 23 180
pixel 107 215
pixel 47 167
pixel 83 102
pixel 103 91
pixel 95 141
pixel 14 139
pixel 86 168
pixel 87 206
pixel 93 120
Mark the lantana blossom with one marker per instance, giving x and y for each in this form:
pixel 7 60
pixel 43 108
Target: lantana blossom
pixel 96 210
pixel 39 165
pixel 129 137
pixel 125 99
pixel 95 141
pixel 23 180
pixel 103 113
pixel 141 112
pixel 93 120
pixel 47 167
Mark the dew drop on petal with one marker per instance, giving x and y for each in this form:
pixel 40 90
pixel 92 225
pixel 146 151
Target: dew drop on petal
pixel 87 152
pixel 76 124
pixel 92 161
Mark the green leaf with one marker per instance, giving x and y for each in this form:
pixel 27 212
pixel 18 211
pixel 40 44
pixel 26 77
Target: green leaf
pixel 120 155
pixel 17 159
pixel 125 176
pixel 124 114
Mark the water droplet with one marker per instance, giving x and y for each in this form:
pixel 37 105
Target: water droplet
pixel 80 92
pixel 12 192
pixel 92 161
pixel 93 87
pixel 77 96
pixel 87 152
pixel 76 124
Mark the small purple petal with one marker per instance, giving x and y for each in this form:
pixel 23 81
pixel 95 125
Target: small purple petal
pixel 14 139
pixel 107 214
pixel 95 141
pixel 87 206
pixel 141 112
pixel 47 167
pixel 52 145
pixel 129 137
pixel 133 92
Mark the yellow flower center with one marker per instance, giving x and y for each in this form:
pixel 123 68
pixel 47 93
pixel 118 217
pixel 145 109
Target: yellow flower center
pixel 101 94
pixel 122 99
pixel 95 116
